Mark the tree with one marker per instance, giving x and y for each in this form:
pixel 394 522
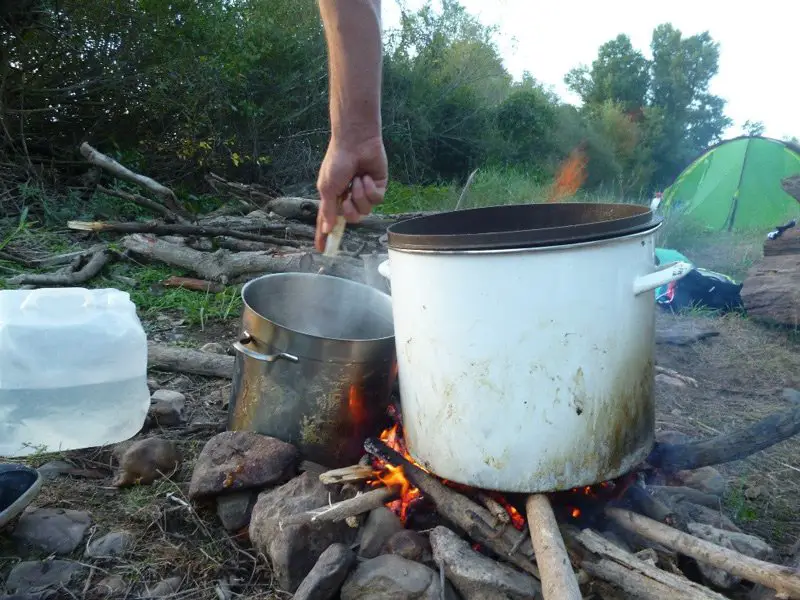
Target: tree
pixel 753 127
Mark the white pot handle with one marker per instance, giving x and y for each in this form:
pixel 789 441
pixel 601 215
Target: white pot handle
pixel 383 269
pixel 664 275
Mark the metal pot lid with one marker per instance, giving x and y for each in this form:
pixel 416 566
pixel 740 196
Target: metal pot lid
pixel 520 226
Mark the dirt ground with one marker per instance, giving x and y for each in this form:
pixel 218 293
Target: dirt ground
pixel 741 374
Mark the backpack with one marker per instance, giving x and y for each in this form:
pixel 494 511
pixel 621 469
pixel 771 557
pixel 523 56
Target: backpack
pixel 701 288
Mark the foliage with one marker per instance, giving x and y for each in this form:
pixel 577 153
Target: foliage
pixel 239 87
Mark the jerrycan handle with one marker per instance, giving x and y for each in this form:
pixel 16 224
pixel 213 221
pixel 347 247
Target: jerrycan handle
pixel 58 299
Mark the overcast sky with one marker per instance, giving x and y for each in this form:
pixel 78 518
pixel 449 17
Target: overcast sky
pixel 758 73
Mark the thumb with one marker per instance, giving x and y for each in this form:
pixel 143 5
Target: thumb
pixel 328 207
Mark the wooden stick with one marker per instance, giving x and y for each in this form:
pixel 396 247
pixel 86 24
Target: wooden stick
pixel 677 493
pixel 142 201
pixel 352 474
pixel 346 508
pixel 558 578
pixel 178 229
pixel 196 285
pixel 635 576
pixel 470 517
pixel 785 580
pixel 162 357
pixel 727 447
pixel 493 506
pixel 66 276
pixel 760 592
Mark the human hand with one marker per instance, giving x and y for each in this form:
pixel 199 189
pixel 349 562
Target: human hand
pixel 358 173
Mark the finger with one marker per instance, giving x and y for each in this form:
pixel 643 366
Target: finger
pixel 350 211
pixel 328 206
pixel 319 236
pixel 359 197
pixel 373 193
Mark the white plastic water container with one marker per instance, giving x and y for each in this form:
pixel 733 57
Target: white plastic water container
pixel 73 370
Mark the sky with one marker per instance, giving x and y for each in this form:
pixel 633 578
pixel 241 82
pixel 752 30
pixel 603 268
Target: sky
pixel 756 75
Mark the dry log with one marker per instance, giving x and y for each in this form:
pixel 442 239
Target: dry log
pixel 727 447
pixel 258 221
pixel 791 185
pixel 558 579
pixel 785 580
pixel 638 578
pixel 351 507
pixel 771 291
pixel 788 243
pixel 144 202
pixel 494 507
pixel 197 285
pixel 71 275
pixel 162 357
pixel 117 170
pixel 352 474
pixel 468 516
pixel 648 505
pixel 222 265
pixel 760 592
pixel 670 494
pixel 179 229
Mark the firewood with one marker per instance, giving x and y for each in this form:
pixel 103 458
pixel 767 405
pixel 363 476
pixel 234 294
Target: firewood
pixel 71 275
pixel 144 202
pixel 468 516
pixel 162 357
pixel 352 474
pixel 346 508
pixel 677 493
pixel 785 580
pixel 727 447
pixel 654 508
pixel 558 579
pixel 760 592
pixel 494 507
pixel 638 578
pixel 179 229
pixel 197 285
pixel 117 170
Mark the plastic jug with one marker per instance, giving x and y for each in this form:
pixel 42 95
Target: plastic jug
pixel 73 369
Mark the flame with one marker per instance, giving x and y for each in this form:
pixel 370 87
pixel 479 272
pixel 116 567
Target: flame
pixel 355 404
pixel 517 520
pixel 576 512
pixel 570 177
pixel 391 475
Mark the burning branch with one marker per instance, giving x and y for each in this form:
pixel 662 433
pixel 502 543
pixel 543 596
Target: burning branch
pixel 346 508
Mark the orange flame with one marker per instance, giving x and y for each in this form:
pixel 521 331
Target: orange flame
pixel 570 177
pixel 390 475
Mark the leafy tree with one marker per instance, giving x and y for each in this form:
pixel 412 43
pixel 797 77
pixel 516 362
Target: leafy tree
pixel 753 127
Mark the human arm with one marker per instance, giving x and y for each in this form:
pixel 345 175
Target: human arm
pixel 355 154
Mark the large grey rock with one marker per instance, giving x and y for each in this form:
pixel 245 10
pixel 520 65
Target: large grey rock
pixel 52 530
pixel 739 542
pixel 326 578
pixel 477 577
pixel 391 577
pixel 380 526
pixel 34 576
pixel 234 510
pixel 115 543
pixel 705 479
pixel 241 460
pixel 677 332
pixel 294 549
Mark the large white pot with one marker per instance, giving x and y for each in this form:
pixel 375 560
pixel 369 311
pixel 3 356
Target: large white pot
pixel 528 369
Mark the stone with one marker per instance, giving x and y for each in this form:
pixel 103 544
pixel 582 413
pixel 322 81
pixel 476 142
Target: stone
pixel 381 524
pixel 394 577
pixel 146 460
pixel 326 578
pixel 705 479
pixel 475 576
pixel 698 513
pixel 754 492
pixel 241 460
pixel 409 544
pixel 112 586
pixel 52 469
pixel 670 436
pixel 676 332
pixel 213 348
pixel 293 550
pixel 165 588
pixel 52 530
pixel 152 384
pixel 739 542
pixel 35 575
pixel 167 408
pixel 115 543
pixel 792 395
pixel 234 510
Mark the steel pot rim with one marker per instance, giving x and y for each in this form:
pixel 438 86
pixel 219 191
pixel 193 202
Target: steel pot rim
pixel 310 337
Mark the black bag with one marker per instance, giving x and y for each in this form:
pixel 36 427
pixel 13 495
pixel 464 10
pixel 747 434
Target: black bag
pixel 701 288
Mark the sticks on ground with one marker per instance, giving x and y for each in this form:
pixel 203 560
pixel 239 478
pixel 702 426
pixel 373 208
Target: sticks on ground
pixel 78 272
pixel 727 447
pixel 144 202
pixel 558 579
pixel 353 474
pixel 785 580
pixel 346 508
pixel 197 285
pixel 183 360
pixel 179 229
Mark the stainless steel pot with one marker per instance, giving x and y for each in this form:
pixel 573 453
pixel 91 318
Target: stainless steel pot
pixel 315 364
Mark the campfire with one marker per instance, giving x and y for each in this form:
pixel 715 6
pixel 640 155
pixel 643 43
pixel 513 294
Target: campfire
pixel 639 533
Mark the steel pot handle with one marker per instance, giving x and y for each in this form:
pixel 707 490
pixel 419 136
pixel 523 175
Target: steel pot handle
pixel 666 274
pixel 270 358
pixel 383 269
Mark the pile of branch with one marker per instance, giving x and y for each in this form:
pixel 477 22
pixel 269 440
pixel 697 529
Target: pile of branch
pixel 264 235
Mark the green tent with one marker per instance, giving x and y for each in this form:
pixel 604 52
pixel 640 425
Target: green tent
pixel 736 185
